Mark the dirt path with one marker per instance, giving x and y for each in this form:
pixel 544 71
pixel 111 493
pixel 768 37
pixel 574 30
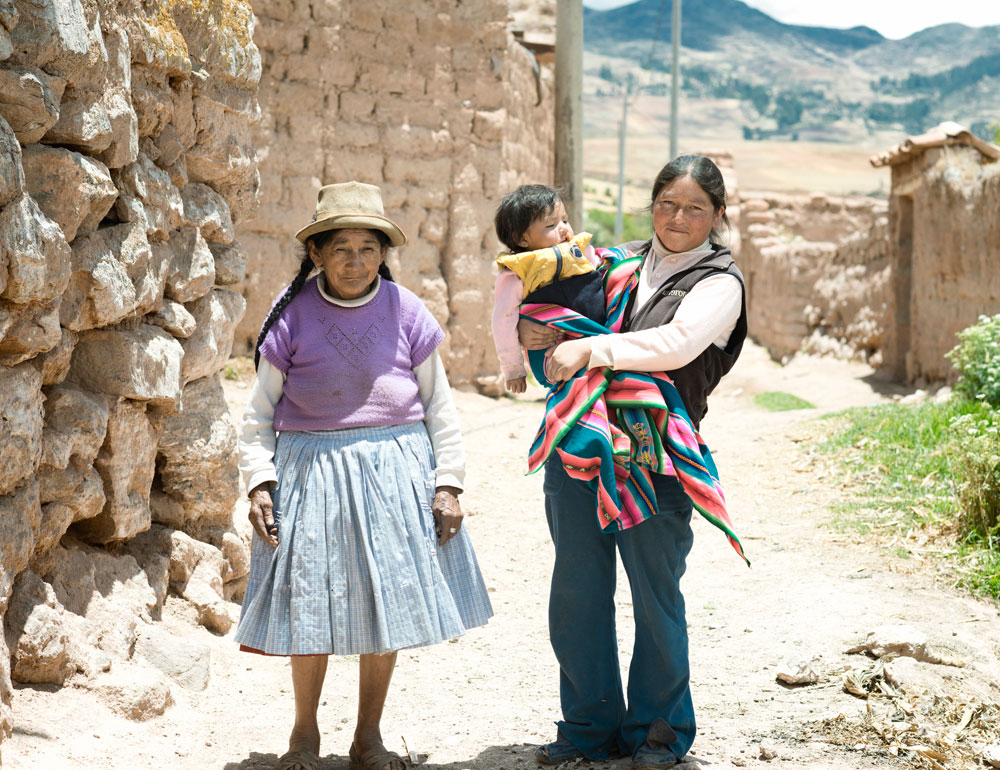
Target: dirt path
pixel 484 701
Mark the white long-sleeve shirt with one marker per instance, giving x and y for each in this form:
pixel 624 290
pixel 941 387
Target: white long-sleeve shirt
pixel 706 316
pixel 258 439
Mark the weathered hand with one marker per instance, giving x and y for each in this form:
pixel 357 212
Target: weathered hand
pixel 447 513
pixel 262 514
pixel 534 336
pixel 567 358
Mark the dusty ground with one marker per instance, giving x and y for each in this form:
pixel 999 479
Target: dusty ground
pixel 484 701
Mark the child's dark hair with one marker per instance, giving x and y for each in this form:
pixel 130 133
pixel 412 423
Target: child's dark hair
pixel 519 209
pixel 319 240
pixel 708 177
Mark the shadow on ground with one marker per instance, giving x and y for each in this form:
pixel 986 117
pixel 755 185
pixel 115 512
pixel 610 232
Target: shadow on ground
pixel 510 757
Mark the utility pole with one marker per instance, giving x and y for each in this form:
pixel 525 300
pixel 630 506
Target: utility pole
pixel 675 80
pixel 622 132
pixel 569 107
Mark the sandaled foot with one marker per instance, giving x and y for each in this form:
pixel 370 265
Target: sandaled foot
pixel 557 752
pixel 561 750
pixel 378 758
pixel 298 760
pixel 653 759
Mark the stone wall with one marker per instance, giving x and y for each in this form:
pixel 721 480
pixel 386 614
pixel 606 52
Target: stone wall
pixel 439 106
pixel 125 160
pixel 945 226
pixel 818 271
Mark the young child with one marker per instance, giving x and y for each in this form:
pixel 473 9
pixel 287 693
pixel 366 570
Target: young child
pixel 546 263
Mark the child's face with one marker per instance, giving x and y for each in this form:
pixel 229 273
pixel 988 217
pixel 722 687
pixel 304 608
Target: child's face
pixel 548 229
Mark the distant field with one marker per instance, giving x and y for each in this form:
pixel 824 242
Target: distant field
pixel 773 166
pixel 838 168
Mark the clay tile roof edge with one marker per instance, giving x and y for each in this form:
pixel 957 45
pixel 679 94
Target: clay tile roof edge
pixel 948 133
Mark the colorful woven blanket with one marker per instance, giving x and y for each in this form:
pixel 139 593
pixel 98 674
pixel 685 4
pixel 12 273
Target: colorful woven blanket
pixel 614 429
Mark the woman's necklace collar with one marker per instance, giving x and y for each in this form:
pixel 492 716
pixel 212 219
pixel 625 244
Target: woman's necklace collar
pixel 658 250
pixel 364 299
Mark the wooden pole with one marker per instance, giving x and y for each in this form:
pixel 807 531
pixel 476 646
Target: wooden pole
pixel 569 107
pixel 675 79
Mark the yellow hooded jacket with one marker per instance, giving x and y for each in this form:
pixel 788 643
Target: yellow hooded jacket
pixel 544 266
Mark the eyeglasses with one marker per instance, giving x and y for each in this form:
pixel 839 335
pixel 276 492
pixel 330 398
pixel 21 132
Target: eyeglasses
pixel 670 209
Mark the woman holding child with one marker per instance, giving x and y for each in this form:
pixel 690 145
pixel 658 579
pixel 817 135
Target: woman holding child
pixel 351 452
pixel 686 316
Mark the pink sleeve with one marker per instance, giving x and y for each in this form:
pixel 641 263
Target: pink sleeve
pixel 506 311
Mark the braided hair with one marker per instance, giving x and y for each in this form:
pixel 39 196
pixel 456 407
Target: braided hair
pixel 306 266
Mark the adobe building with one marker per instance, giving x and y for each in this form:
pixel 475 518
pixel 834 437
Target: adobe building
pixel 944 233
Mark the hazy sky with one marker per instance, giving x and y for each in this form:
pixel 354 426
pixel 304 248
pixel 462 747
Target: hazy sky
pixel 893 18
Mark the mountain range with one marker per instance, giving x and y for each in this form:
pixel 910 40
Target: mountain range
pixel 792 79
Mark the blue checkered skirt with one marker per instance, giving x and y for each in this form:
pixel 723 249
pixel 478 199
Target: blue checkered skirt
pixel 357 568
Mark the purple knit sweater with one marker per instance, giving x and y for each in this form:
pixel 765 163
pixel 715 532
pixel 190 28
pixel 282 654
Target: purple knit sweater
pixel 350 367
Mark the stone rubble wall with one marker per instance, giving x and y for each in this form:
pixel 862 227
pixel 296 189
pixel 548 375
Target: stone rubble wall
pixel 955 276
pixel 817 271
pixel 126 159
pixel 439 106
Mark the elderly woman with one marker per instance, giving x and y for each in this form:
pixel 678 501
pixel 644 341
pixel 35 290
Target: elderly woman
pixel 687 318
pixel 352 455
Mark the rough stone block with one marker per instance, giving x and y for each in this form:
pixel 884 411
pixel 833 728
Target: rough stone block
pixel 204 589
pixel 75 424
pixel 11 172
pixel 142 363
pixel 53 364
pixel 124 146
pixel 35 633
pixel 76 493
pixel 20 513
pixel 35 252
pixel 101 289
pixel 148 195
pixel 83 122
pixel 29 102
pixel 207 350
pixel 134 692
pixel 187 662
pixel 126 463
pixel 230 263
pixel 109 590
pixel 151 99
pixel 225 149
pixel 173 317
pixel 192 266
pixel 57 36
pixel 195 457
pixel 158 44
pixel 22 418
pixel 205 209
pixel 27 330
pixel 74 191
pixel 223 37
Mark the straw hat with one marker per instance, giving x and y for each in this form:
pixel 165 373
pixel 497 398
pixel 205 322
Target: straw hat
pixel 351 204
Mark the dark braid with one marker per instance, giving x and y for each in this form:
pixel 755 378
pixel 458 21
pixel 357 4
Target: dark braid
pixel 305 268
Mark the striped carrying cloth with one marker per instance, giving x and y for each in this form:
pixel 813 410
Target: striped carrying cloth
pixel 613 429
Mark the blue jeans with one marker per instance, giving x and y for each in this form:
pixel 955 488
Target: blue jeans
pixel 582 621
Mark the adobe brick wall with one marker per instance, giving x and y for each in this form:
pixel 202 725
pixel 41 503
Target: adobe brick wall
pixel 439 106
pixel 817 270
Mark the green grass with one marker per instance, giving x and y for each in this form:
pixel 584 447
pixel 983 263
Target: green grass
pixel 900 460
pixel 981 569
pixel 777 401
